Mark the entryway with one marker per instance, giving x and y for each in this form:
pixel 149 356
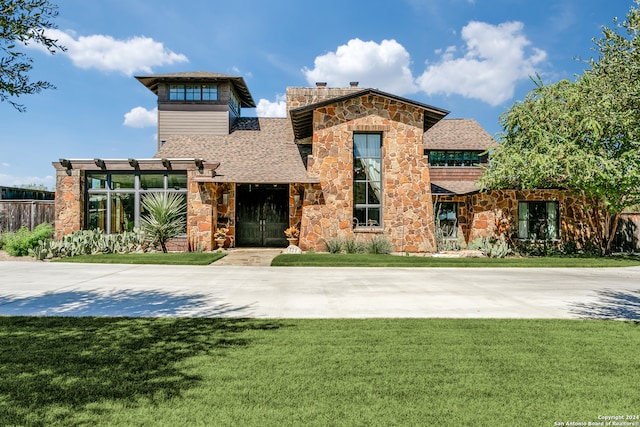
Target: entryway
pixel 262 215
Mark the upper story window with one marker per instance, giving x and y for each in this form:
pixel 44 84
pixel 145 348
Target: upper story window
pixel 455 158
pixel 367 179
pixel 193 92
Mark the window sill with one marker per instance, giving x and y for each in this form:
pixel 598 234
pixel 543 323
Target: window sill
pixel 375 230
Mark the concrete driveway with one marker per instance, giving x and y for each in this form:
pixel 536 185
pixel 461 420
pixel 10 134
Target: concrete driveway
pixel 61 289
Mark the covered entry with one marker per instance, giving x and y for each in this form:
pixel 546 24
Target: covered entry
pixel 262 215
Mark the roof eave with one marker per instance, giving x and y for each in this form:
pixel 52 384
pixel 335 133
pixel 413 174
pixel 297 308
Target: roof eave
pixel 151 82
pixel 302 117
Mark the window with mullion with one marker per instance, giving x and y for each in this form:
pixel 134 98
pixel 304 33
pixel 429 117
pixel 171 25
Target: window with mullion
pixel 367 179
pixel 538 220
pixel 113 201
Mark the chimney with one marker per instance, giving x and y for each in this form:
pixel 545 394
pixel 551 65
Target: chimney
pixel 321 85
pixel 353 85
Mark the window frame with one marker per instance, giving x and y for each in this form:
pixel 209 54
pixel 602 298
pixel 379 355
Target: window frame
pixel 551 222
pixel 186 92
pixel 437 206
pixel 456 158
pixel 368 222
pixel 111 194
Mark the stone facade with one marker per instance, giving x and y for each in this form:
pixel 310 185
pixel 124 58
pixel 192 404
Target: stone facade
pixel 494 213
pixel 407 210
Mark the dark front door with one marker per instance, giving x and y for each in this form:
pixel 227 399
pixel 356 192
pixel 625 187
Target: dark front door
pixel 262 215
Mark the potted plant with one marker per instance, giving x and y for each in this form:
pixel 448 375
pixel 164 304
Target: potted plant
pixel 292 235
pixel 220 236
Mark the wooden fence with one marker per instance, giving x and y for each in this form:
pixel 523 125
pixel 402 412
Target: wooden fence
pixel 628 233
pixel 29 213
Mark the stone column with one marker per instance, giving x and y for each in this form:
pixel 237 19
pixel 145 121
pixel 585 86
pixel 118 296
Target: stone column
pixel 68 202
pixel 201 206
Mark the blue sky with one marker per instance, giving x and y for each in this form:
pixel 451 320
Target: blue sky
pixel 471 57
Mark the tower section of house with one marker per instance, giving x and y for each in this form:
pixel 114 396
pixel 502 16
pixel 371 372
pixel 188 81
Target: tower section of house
pixel 367 153
pixel 197 103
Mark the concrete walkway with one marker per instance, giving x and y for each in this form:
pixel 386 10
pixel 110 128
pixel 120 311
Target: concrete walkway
pixel 255 257
pixel 66 289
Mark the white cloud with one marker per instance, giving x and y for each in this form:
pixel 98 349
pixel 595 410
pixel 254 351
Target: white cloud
pixel 136 54
pixel 5 165
pixel 384 66
pixel 266 108
pixel 496 58
pixel 140 117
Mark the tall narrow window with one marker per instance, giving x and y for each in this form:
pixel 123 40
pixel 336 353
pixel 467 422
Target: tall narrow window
pixel 446 215
pixel 367 179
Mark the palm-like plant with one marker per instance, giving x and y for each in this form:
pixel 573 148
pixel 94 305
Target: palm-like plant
pixel 164 219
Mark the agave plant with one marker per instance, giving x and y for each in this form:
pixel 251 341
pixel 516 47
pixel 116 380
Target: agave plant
pixel 164 217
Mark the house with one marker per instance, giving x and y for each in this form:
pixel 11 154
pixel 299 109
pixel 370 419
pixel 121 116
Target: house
pixel 345 163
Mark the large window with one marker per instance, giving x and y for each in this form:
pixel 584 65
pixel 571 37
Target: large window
pixel 367 179
pixel 538 220
pixel 446 216
pixel 455 158
pixel 193 93
pixel 113 198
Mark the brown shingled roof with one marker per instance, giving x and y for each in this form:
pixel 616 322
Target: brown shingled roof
pixel 258 150
pixel 454 187
pixel 457 134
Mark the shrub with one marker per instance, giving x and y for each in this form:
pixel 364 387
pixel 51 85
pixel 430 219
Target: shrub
pixel 88 242
pixel 23 240
pixel 353 246
pixel 334 245
pixel 165 217
pixel 491 247
pixel 379 245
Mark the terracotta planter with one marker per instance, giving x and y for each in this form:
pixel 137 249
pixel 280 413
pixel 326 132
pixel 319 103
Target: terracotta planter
pixel 292 241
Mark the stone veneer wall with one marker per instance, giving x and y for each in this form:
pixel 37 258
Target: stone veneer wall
pixel 201 211
pixel 302 96
pixel 406 201
pixel 580 219
pixel 69 201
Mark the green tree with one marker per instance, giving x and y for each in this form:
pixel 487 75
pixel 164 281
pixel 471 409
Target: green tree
pixel 580 135
pixel 23 22
pixel 164 218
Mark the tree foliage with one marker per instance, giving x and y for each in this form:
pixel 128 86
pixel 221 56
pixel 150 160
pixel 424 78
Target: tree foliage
pixel 164 219
pixel 580 135
pixel 23 22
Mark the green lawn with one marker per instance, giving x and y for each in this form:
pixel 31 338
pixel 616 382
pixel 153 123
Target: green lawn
pixel 366 260
pixel 383 372
pixel 173 258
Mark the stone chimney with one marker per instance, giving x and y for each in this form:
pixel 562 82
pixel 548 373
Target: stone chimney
pixel 302 96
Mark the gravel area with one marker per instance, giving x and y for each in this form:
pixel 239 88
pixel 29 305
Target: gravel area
pixel 4 256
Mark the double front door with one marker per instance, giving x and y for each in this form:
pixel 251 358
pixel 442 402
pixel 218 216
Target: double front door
pixel 262 215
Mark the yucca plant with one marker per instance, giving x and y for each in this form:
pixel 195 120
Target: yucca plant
pixel 164 217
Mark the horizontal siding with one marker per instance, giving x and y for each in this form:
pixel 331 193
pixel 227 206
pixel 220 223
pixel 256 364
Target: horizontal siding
pixel 192 123
pixel 454 174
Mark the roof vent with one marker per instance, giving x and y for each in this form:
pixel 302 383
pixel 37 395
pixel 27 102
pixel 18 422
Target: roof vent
pixel 321 85
pixel 353 84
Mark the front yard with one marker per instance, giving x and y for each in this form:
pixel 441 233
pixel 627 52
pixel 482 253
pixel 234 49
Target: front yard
pixel 186 372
